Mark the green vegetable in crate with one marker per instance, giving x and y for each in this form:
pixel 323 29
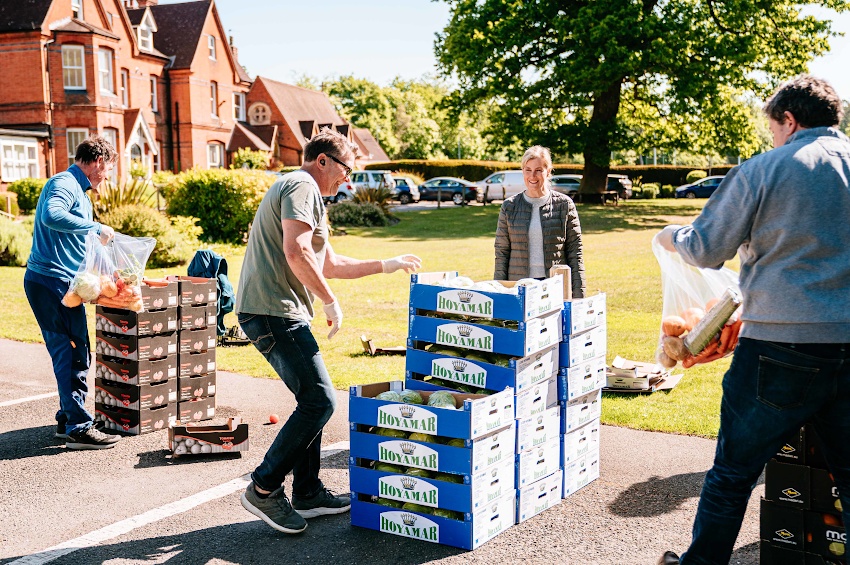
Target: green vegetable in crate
pixel 443 513
pixel 449 478
pixel 388 502
pixel 413 507
pixel 485 391
pixel 86 286
pixel 478 357
pixel 456 442
pixel 442 399
pixel 512 324
pixel 427 438
pixel 502 361
pixel 390 432
pixel 389 396
pixel 445 351
pixel 388 468
pixel 464 388
pixel 411 397
pixel 421 473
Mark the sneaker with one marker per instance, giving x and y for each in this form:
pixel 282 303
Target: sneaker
pixel 669 558
pixel 91 438
pixel 323 503
pixel 60 432
pixel 274 510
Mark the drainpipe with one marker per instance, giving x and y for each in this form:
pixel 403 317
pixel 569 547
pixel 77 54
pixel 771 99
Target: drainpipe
pixel 168 121
pixel 50 143
pixel 177 118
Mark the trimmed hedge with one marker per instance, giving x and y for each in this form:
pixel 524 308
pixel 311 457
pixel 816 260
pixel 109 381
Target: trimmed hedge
pixel 694 176
pixel 14 201
pixel 15 243
pixel 478 170
pixel 28 191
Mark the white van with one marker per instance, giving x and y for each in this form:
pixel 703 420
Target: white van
pixel 501 185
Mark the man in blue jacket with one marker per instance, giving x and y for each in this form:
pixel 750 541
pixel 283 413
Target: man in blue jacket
pixel 63 217
pixel 785 213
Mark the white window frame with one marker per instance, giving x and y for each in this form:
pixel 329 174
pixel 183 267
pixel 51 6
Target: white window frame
pixel 111 135
pixel 239 106
pixel 72 152
pixel 11 168
pixel 154 95
pixel 218 162
pixel 67 49
pixel 214 99
pixel 156 164
pixel 145 38
pixel 77 9
pixel 109 16
pixel 211 46
pixel 105 73
pixel 125 88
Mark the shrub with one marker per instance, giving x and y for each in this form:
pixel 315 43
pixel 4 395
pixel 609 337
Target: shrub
pixel 694 176
pixel 379 196
pixel 134 191
pixel 15 243
pixel 286 168
pixel 138 170
pixel 648 191
pixel 667 191
pixel 13 201
pixel 224 201
pixel 172 246
pixel 28 191
pixel 366 214
pixel 247 159
pixel 416 178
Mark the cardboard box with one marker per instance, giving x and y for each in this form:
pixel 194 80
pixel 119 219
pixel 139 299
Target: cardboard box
pixel 475 456
pixel 814 451
pixel 486 523
pixel 581 379
pixel 136 372
pixel 537 430
pixel 577 349
pixel 529 302
pixel 532 336
pixel 794 450
pixel 582 314
pixel 135 397
pixel 534 464
pixel 825 536
pixel 539 496
pixel 625 374
pixel 159 293
pixel 770 554
pixel 195 317
pixel 218 438
pixel 537 399
pixel 476 415
pixel 581 473
pixel 195 290
pixel 476 491
pixel 136 422
pixel 202 363
pixel 787 485
pixel 580 411
pixel 135 348
pixel 580 442
pixel 200 386
pixel 824 492
pixel 127 322
pixel 782 526
pixel 195 341
pixel 519 374
pixel 196 410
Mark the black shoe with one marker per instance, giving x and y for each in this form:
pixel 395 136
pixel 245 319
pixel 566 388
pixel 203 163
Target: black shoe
pixel 91 438
pixel 325 502
pixel 60 432
pixel 274 510
pixel 669 558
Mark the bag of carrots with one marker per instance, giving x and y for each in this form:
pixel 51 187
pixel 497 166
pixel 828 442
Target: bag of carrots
pixel 700 311
pixel 111 275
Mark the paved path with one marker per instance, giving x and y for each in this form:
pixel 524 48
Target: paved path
pixel 643 503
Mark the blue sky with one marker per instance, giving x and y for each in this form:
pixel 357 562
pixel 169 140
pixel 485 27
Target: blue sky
pixel 382 39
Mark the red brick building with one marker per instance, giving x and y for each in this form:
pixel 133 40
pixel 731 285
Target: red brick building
pixel 161 82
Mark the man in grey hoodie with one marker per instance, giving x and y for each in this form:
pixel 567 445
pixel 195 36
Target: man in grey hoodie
pixel 786 214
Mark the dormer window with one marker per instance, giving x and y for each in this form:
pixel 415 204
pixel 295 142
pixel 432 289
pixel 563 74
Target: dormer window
pixel 77 9
pixel 146 29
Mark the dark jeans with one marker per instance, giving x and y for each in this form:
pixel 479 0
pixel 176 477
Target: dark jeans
pixel 67 339
pixel 769 392
pixel 291 349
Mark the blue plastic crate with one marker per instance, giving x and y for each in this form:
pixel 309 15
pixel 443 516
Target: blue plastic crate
pixel 581 379
pixel 541 461
pixel 582 314
pixel 576 349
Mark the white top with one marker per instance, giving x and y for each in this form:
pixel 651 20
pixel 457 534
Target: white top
pixel 536 265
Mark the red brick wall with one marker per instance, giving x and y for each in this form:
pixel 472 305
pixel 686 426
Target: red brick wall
pixel 290 148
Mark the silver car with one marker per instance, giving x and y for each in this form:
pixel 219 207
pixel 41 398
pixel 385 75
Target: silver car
pixel 372 179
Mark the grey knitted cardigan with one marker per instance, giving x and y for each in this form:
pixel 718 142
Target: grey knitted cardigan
pixel 561 239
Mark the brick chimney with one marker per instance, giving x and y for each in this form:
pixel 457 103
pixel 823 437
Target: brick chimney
pixel 146 3
pixel 232 47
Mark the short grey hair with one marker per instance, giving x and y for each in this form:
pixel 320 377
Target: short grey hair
pixel 329 142
pixel 542 153
pixel 811 100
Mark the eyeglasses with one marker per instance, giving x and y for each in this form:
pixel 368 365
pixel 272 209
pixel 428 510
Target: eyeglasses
pixel 344 166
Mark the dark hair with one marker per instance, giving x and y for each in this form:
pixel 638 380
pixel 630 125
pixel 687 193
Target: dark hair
pixel 95 146
pixel 812 101
pixel 329 142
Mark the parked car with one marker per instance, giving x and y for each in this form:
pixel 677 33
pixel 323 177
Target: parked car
pixel 566 184
pixel 343 193
pixel 702 188
pixel 405 190
pixel 622 184
pixel 372 179
pixel 449 188
pixel 501 185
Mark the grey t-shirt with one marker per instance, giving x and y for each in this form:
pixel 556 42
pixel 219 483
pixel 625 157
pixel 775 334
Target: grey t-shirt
pixel 267 285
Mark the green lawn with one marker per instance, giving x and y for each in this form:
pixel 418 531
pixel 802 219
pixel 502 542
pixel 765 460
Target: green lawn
pixel 618 260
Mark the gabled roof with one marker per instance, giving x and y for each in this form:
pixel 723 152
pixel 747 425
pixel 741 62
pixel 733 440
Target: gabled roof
pixel 23 15
pixel 79 26
pixel 134 120
pixel 369 145
pixel 257 138
pixel 179 29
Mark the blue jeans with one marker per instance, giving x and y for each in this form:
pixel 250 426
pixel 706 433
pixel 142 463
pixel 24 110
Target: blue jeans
pixel 290 348
pixel 67 339
pixel 769 392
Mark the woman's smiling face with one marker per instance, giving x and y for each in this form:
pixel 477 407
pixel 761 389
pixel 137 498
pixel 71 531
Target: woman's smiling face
pixel 534 174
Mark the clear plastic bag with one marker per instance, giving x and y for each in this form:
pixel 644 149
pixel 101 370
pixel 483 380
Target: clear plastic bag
pixel 111 275
pixel 688 292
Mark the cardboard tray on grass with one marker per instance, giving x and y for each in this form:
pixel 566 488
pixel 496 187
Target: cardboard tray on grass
pixel 136 372
pixel 485 524
pixel 136 422
pixel 127 322
pixel 135 348
pixel 577 349
pixel 581 379
pixel 529 302
pixel 539 496
pixel 220 438
pixel 135 397
pixel 582 314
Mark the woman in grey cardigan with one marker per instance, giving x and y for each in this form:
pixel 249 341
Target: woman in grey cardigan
pixel 538 228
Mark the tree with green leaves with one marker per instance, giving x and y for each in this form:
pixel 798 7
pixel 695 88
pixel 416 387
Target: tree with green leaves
pixel 594 76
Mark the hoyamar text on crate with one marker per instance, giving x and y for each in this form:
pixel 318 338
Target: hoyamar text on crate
pixel 465 302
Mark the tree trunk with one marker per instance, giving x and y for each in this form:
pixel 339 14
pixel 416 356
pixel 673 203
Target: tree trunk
pixel 597 149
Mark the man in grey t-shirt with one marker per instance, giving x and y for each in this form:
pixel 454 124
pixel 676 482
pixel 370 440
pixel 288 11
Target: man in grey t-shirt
pixel 286 266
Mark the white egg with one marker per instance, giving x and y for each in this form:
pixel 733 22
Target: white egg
pixel 206 448
pixel 189 442
pixel 196 449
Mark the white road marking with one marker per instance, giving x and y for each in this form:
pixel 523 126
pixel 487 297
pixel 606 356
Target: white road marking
pixel 125 526
pixel 28 399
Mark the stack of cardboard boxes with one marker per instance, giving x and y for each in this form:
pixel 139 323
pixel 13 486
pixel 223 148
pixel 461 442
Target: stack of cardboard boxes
pixel 801 521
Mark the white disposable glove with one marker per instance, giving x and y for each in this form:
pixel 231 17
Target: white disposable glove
pixel 106 233
pixel 665 237
pixel 334 315
pixel 410 263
